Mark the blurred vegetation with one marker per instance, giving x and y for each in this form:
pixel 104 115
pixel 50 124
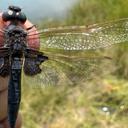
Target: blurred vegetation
pixel 91 104
pixel 93 11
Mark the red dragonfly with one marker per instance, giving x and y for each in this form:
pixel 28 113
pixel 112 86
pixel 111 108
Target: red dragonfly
pixel 71 54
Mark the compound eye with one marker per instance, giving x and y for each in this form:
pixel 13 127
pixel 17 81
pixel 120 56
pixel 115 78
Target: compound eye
pixel 8 16
pixel 10 12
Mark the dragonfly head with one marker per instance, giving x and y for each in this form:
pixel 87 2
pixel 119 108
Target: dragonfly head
pixel 14 14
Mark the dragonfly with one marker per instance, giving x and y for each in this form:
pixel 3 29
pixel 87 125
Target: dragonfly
pixel 69 54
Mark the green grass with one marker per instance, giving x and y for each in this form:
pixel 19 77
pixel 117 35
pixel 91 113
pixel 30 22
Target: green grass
pixel 77 106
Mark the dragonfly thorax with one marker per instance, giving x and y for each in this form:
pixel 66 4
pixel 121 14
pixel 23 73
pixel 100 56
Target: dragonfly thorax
pixel 15 38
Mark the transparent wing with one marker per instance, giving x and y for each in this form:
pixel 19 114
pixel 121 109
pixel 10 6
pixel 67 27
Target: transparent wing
pixel 85 37
pixel 75 53
pixel 63 70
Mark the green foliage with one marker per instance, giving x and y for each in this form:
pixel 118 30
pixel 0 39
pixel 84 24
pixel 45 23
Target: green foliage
pixel 93 11
pixel 79 106
pixel 120 61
